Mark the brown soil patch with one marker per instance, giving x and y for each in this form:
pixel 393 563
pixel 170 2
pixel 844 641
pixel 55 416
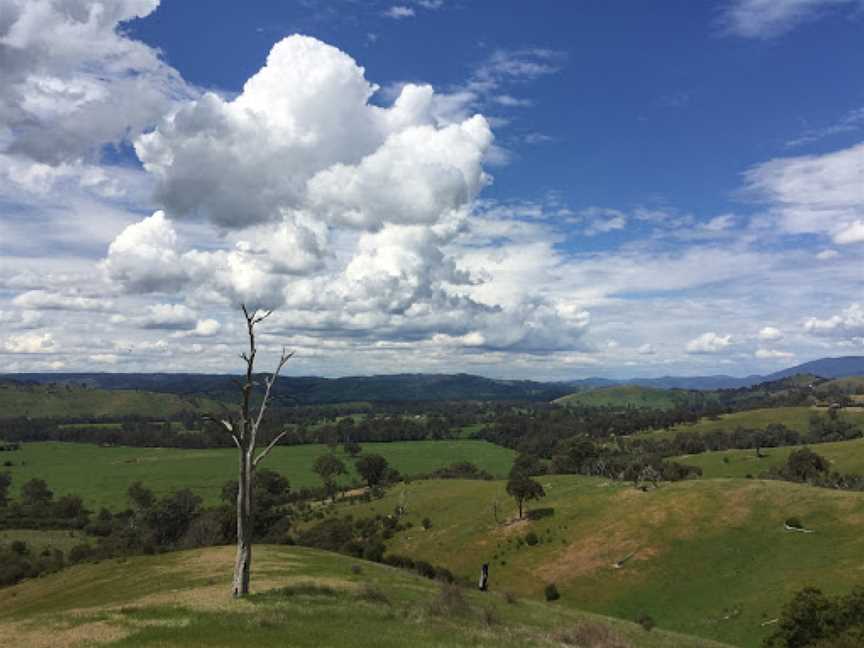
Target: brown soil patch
pixel 513 526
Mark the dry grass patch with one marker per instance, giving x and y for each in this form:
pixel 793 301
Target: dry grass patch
pixel 588 634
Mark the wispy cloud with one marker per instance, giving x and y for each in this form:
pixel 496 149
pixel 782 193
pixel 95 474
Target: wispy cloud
pixel 850 122
pixel 398 12
pixel 771 18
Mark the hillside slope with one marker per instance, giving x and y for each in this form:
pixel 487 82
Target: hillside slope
pixel 76 401
pixel 844 456
pixel 292 390
pixel 626 396
pixel 795 418
pixel 708 558
pixel 301 597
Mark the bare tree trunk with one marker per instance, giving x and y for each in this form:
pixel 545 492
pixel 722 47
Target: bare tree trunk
pixel 243 561
pixel 244 433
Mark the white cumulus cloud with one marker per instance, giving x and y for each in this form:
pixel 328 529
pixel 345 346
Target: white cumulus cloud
pixel 770 334
pixel 848 324
pixel 709 343
pixel 30 343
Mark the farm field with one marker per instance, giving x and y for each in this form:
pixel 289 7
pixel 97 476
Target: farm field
pixel 795 418
pixel 709 558
pixel 101 475
pixel 845 457
pixel 301 597
pixel 52 401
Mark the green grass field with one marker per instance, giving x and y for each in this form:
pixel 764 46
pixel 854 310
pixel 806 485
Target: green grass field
pixel 301 597
pixel 52 401
pixel 845 457
pixel 712 557
pixel 46 538
pixel 101 475
pixel 625 396
pixel 795 418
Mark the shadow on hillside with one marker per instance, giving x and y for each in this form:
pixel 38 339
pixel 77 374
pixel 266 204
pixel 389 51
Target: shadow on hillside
pixel 540 513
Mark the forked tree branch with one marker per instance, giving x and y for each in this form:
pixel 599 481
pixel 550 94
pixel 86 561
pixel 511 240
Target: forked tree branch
pixel 269 382
pixel 269 447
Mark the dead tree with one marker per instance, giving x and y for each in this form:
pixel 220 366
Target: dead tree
pixel 244 432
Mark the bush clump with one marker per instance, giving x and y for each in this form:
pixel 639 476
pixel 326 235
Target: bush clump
pixel 646 621
pixel 531 538
pixel 551 592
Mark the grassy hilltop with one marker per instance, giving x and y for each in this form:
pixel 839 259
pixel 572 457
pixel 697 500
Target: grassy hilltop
pixel 301 597
pixel 712 557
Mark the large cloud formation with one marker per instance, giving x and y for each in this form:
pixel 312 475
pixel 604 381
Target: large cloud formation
pixel 338 208
pixel 303 136
pixel 73 82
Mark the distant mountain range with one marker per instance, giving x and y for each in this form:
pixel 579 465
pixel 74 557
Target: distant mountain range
pixel 420 387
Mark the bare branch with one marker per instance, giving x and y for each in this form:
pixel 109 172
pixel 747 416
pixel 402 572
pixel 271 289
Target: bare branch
pixel 269 382
pixel 261 318
pixel 269 447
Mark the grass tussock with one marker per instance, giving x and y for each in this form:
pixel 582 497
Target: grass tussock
pixel 372 594
pixel 449 602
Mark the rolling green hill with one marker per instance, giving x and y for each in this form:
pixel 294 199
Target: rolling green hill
pixel 101 475
pixel 795 418
pixel 709 558
pixel 845 457
pixel 626 396
pixel 301 597
pixel 76 401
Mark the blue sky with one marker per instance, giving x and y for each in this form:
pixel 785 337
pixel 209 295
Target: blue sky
pixel 546 189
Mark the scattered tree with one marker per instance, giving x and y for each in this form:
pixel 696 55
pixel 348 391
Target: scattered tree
pixel 36 493
pixel 804 464
pixel 372 468
pixel 352 448
pixel 329 467
pixel 523 489
pixel 140 496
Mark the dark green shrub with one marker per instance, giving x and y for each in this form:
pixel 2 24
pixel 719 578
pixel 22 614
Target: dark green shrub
pixel 551 592
pixel 646 621
pixel 424 568
pixel 531 538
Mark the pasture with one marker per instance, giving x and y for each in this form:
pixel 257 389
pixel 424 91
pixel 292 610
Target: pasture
pixel 709 558
pixel 101 475
pixel 844 456
pixel 301 597
pixel 795 418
